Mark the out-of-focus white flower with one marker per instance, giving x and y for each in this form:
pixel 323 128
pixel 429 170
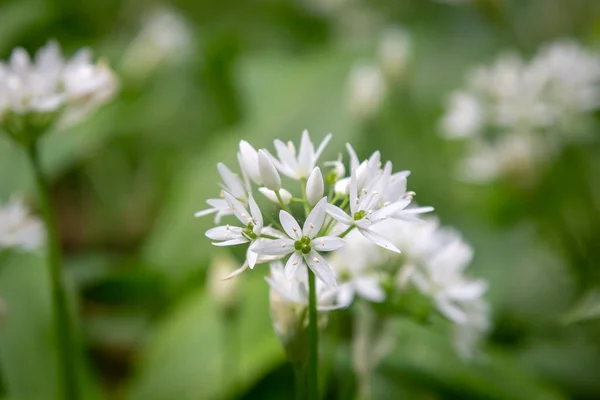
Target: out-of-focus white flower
pixel 303 244
pixel 394 51
pixel 338 171
pixel 295 289
pixel 301 165
pixel 366 90
pixel 223 290
pixel 35 94
pixel 165 37
pixel 18 229
pixel 315 187
pixel 519 115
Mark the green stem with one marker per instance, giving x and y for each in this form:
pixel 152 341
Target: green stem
pixel 300 380
pixel 347 231
pixel 283 205
pixel 64 332
pixel 230 348
pixel 313 338
pixel 345 203
pixel 303 190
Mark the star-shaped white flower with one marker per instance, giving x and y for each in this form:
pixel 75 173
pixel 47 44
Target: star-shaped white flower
pixel 18 229
pixel 366 211
pixel 231 184
pixel 232 235
pixel 303 245
pixel 301 165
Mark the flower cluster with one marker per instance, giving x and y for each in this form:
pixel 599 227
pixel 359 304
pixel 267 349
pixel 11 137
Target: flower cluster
pixel 312 222
pixel 18 229
pixel 518 115
pixel 34 94
pixel 434 260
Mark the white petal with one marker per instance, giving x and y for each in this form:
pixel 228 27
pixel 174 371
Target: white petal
pixel 269 194
pixel 354 162
pixel 275 247
pixel 268 173
pixel 231 181
pixel 315 187
pixel 306 155
pixel 289 164
pixel 322 146
pixel 342 186
pixel 370 289
pixel 389 210
pixel 338 214
pixel 468 290
pixel 290 225
pixel 238 209
pixel 236 272
pixel 451 310
pixel 224 233
pixel 314 220
pixel 257 217
pixel 231 242
pixel 292 265
pixel 248 159
pixel 327 243
pixel 205 212
pixel 320 267
pixel 353 192
pixel 379 240
pixel 251 257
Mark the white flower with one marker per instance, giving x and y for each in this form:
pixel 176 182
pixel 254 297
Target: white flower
pixel 303 245
pixel 518 115
pixel 268 173
pixel 315 187
pixel 301 165
pixel 232 235
pixel 233 185
pixel 367 211
pixel 18 229
pixel 295 289
pixel 394 51
pixel 338 169
pixel 367 90
pixel 51 87
pixel 357 266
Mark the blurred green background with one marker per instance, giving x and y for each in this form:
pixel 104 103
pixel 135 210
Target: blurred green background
pixel 127 181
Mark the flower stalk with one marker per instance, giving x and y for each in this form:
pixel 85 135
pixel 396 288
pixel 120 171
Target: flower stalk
pixel 63 327
pixel 313 338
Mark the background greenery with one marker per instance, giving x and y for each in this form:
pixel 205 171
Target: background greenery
pixel 127 182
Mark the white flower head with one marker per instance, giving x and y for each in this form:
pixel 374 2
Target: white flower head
pixel 231 184
pixel 18 229
pixel 49 88
pixel 303 244
pixel 298 166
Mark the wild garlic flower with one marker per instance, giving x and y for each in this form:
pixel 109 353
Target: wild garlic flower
pixel 328 215
pixel 518 115
pixel 367 90
pixel 34 94
pixel 18 229
pixel 434 260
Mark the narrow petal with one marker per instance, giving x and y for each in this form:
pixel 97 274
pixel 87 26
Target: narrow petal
pixel 338 214
pixel 379 240
pixel 468 290
pixel 238 209
pixel 388 210
pixel 231 181
pixel 231 242
pixel 292 264
pixel 288 164
pixel 353 191
pixel 451 310
pixel 315 219
pixel 327 243
pixel 256 215
pixel 236 272
pixel 268 173
pixel 320 267
pixel 224 233
pixel 306 155
pixel 290 225
pixel 369 288
pixel 354 162
pixel 251 257
pixel 322 146
pixel 275 247
pixel 208 211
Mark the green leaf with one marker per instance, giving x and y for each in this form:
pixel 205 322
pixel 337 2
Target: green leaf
pixel 184 357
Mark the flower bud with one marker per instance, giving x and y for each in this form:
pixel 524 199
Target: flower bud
pixel 248 159
pixel 271 195
pixel 223 291
pixel 315 188
pixel 268 174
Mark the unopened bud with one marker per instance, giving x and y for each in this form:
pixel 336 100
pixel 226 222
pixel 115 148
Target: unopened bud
pixel 315 188
pixel 269 194
pixel 268 173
